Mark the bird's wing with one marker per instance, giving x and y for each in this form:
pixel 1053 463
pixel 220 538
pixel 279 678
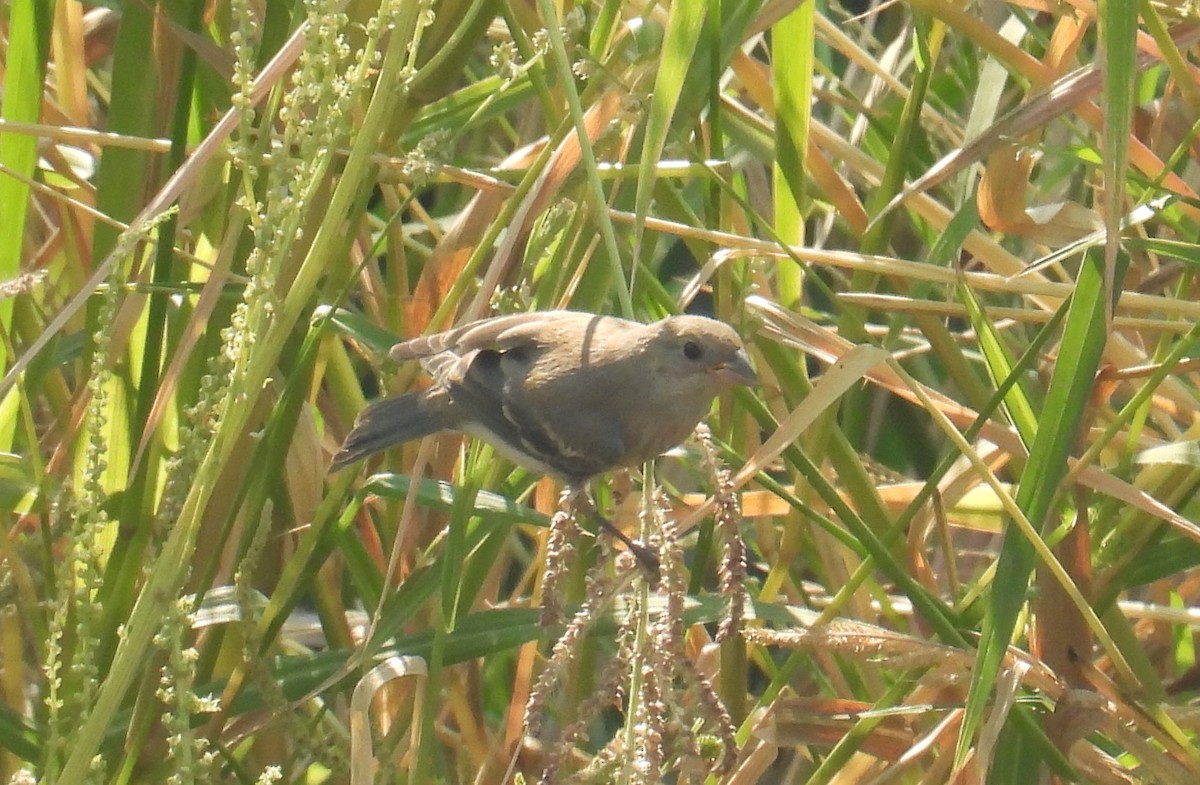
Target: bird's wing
pixel 488 388
pixel 499 332
pixel 576 445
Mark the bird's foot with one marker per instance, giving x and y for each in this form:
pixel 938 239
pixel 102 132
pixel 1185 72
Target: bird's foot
pixel 645 555
pixel 577 497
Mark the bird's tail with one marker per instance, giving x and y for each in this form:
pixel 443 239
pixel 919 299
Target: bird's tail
pixel 388 422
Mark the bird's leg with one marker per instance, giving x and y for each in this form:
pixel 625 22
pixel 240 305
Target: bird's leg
pixel 645 556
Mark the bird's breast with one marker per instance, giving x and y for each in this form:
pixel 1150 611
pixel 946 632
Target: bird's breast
pixel 650 433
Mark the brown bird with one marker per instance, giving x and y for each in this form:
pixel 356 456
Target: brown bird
pixel 564 393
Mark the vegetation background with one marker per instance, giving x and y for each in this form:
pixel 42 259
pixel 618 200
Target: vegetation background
pixel 959 239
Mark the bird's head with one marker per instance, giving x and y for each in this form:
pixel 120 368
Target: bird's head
pixel 706 352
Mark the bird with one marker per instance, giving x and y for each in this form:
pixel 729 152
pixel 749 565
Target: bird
pixel 569 394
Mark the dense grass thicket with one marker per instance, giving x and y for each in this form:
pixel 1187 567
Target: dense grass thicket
pixel 950 538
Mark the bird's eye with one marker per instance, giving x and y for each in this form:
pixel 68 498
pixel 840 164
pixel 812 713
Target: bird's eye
pixel 692 350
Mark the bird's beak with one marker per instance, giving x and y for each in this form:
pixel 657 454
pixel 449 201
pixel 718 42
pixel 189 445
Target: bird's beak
pixel 736 371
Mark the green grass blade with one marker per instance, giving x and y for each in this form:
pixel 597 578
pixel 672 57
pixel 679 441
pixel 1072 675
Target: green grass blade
pixel 999 362
pixel 684 24
pixel 1118 65
pixel 1084 337
pixel 24 69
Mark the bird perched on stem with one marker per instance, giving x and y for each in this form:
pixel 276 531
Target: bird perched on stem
pixel 564 393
